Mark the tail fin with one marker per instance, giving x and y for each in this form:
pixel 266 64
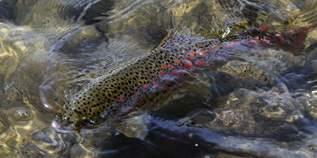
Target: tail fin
pixel 294 33
pixel 307 17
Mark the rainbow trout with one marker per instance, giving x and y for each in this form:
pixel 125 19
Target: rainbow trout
pixel 106 95
pixel 110 96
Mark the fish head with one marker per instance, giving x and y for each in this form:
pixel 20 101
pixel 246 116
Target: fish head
pixel 71 119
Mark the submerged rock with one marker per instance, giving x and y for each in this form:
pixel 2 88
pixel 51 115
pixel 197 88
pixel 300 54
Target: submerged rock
pixel 17 43
pixel 4 124
pixel 265 114
pixel 245 70
pixel 7 12
pixel 20 115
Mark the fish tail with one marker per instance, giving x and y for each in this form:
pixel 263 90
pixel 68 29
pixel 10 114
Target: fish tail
pixel 293 36
pixel 307 17
pixel 292 41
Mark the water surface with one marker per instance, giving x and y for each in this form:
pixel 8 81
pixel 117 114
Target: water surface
pixel 51 49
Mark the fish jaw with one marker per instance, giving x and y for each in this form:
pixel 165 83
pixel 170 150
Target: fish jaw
pixel 71 118
pixel 78 116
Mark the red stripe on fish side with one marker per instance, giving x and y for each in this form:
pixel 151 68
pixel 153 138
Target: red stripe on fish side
pixel 177 61
pixel 264 28
pixel 187 64
pixel 200 63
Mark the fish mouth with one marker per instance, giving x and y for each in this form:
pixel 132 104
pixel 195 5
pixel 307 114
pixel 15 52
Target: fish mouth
pixel 64 126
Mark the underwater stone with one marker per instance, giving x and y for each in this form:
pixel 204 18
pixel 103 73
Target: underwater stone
pixel 314 65
pixel 312 108
pixel 4 124
pixel 22 114
pixel 253 113
pixel 85 39
pixel 30 150
pixel 7 9
pixel 246 70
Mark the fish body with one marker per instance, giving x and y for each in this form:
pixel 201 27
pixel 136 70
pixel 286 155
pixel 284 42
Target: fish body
pixel 105 96
pixel 111 95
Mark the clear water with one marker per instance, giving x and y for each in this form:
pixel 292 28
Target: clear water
pixel 50 49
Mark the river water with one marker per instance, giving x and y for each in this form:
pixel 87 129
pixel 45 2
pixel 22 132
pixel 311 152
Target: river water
pixel 50 49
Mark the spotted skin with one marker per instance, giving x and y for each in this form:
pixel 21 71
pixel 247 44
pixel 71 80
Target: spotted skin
pixel 104 96
pixel 107 96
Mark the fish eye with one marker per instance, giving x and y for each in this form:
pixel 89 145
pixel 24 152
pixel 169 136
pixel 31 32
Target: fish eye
pixel 67 118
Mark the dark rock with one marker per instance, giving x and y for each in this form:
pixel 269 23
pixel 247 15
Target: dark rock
pixel 7 10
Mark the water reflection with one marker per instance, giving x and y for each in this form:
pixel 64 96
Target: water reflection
pixel 50 49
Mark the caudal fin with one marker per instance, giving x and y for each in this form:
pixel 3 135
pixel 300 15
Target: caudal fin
pixel 293 35
pixel 307 17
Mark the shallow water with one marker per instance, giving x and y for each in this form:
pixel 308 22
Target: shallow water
pixel 51 49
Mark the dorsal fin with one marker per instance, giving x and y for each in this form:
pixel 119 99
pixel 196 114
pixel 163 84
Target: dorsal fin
pixel 170 35
pixel 306 17
pixel 180 42
pixel 179 39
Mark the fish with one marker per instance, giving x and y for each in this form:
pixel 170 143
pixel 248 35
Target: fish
pixel 104 95
pixel 119 93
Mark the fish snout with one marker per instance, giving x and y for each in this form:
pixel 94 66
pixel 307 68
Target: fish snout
pixel 64 122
